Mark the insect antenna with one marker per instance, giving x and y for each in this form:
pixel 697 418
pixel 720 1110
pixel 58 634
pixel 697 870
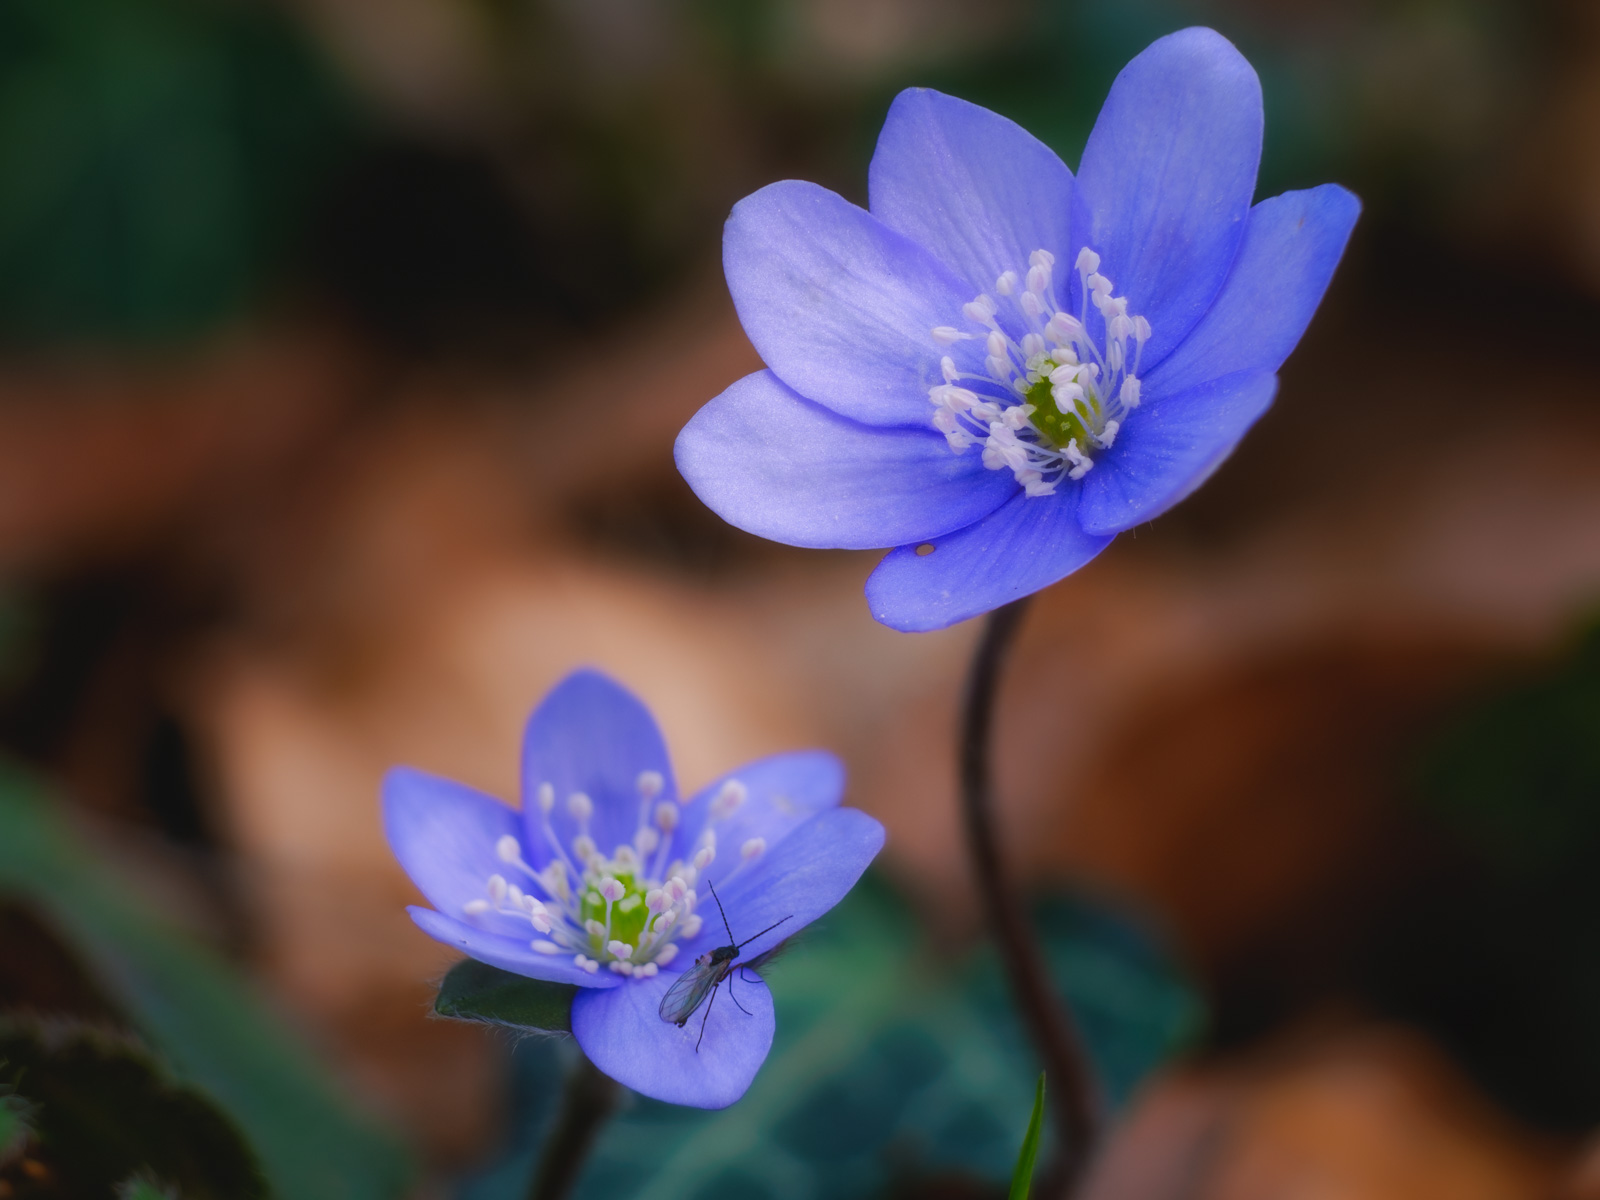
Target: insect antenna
pixel 765 931
pixel 720 909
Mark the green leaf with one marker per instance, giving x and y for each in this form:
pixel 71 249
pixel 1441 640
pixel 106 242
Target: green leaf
pixel 16 1126
pixel 475 991
pixel 195 1011
pixel 1022 1177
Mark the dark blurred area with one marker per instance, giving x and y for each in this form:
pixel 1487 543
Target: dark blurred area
pixel 342 347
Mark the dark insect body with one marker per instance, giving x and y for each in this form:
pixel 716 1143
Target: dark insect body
pixel 706 976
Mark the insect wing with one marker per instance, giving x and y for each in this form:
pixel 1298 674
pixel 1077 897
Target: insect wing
pixel 690 991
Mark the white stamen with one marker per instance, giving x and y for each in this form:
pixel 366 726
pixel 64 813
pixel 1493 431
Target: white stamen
pixel 588 964
pixel 690 927
pixel 594 928
pixel 1088 262
pixel 728 799
pixel 619 949
pixel 497 889
pixel 650 784
pixel 754 848
pixel 1006 284
pixel 612 889
pixel 475 908
pixel 656 900
pixel 946 335
pixel 508 849
pixel 667 816
pixel 704 857
pixel 545 947
pixel 646 839
pixel 666 954
pixel 547 797
pixel 583 847
pixel 646 970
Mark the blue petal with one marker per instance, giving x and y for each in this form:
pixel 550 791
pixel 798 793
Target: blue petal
pixel 1028 544
pixel 794 883
pixel 1291 245
pixel 1169 447
pixel 623 1034
pixel 1167 177
pixel 781 793
pixel 509 954
pixel 444 835
pixel 977 189
pixel 590 735
pixel 840 306
pixel 764 458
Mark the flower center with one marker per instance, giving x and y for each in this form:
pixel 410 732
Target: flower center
pixel 1055 394
pixel 626 911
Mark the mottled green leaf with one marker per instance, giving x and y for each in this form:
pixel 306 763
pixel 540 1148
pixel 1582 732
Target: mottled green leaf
pixel 475 991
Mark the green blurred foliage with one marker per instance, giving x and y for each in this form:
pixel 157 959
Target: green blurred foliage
pixel 1022 1176
pixel 206 1025
pixel 155 158
pixel 475 991
pixel 891 1064
pixel 105 1108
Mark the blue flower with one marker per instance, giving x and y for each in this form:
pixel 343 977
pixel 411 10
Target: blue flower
pixel 1000 366
pixel 602 880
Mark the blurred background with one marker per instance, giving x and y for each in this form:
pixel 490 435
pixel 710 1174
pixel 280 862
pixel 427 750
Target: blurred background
pixel 342 348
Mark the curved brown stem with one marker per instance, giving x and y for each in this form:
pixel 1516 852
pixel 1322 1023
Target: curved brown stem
pixel 1045 1016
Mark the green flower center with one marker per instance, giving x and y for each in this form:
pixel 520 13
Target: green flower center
pixel 628 915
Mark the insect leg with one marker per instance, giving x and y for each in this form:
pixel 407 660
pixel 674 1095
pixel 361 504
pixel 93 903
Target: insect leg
pixel 735 999
pixel 707 1017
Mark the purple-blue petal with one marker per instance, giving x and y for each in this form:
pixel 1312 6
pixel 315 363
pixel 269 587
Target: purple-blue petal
pixel 1292 243
pixel 794 883
pixel 590 735
pixel 977 189
pixel 1025 545
pixel 1168 175
pixel 1169 447
pixel 623 1035
pixel 781 793
pixel 516 955
pixel 444 833
pixel 766 459
pixel 840 306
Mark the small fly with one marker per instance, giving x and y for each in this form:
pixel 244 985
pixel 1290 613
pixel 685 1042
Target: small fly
pixel 707 974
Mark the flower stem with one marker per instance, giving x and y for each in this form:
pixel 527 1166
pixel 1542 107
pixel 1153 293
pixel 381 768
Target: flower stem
pixel 1046 1018
pixel 587 1102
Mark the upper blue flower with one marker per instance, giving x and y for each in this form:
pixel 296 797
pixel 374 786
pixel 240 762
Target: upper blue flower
pixel 1000 366
pixel 602 880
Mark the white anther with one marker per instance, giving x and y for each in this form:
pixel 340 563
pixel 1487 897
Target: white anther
pixel 1016 417
pixel 691 926
pixel 618 949
pixel 1088 262
pixel 708 837
pixel 588 964
pixel 547 797
pixel 645 839
pixel 612 889
pixel 666 954
pixel 1121 326
pixel 580 806
pixel 704 857
pixel 1033 483
pixel 1129 395
pixel 497 889
pixel 1065 374
pixel 1114 357
pixel 1006 284
pixel 728 799
pixel 554 879
pixel 1032 344
pixel 630 902
pixel 1038 280
pixel 675 888
pixel 514 895
pixel 753 848
pixel 981 309
pixel 475 908
pixel 1141 329
pixel 999 367
pixel 545 947
pixel 667 816
pixel 593 928
pixel 947 335
pixel 645 970
pixel 1081 463
pixel 624 856
pixel 1030 303
pixel 507 849
pixel 542 922
pixel 1109 434
pixel 531 905
pixel 947 368
pixel 650 784
pixel 1064 327
pixel 1067 396
pixel 583 847
pixel 688 874
pixel 1100 286
pixel 997 345
pixel 656 900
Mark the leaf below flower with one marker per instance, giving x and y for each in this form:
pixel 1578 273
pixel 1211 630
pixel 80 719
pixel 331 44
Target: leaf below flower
pixel 475 991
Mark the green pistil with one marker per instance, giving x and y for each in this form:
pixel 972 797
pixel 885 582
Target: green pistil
pixel 628 915
pixel 1057 428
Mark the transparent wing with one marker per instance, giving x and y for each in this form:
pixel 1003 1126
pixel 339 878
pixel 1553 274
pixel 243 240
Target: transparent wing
pixel 689 992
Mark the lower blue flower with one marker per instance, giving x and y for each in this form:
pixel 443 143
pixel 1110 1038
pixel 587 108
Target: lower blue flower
pixel 1000 366
pixel 604 879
